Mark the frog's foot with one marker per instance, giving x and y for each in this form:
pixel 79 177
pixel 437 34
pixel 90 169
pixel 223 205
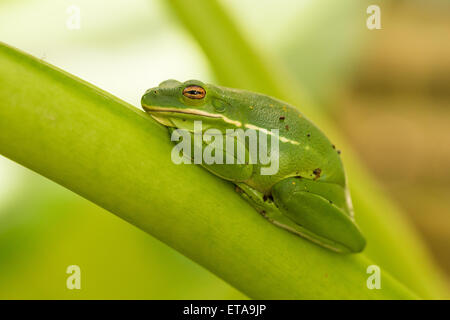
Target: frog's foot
pixel 264 205
pixel 269 210
pixel 306 214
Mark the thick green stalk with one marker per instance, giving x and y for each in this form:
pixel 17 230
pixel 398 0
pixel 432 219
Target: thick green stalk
pixel 119 158
pixel 392 241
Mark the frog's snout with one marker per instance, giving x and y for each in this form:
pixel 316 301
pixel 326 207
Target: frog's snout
pixel 151 90
pixel 153 96
pixel 149 97
pixel 162 93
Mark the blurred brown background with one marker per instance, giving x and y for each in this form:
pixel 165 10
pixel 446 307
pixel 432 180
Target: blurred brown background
pixel 396 112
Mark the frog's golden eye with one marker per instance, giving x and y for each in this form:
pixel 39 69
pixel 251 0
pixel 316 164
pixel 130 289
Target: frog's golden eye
pixel 194 92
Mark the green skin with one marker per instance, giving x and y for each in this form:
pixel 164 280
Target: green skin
pixel 308 196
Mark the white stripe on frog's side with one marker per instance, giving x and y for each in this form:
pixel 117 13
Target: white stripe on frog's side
pixel 215 115
pixel 282 139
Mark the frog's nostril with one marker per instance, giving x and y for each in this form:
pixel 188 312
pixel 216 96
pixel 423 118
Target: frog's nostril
pixel 150 91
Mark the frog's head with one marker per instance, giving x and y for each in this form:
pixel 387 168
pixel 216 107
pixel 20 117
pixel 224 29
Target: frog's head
pixel 177 104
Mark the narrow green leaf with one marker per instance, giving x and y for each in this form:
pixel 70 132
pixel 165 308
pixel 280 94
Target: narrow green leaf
pixel 116 156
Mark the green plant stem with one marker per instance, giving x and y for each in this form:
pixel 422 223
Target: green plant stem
pixel 392 241
pixel 116 156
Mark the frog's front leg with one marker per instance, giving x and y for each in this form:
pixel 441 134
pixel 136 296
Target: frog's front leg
pixel 228 168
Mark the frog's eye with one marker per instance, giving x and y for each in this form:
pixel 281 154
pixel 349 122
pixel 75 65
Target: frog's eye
pixel 194 92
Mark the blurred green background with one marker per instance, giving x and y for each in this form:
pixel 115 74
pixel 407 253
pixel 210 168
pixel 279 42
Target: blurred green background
pixel 388 90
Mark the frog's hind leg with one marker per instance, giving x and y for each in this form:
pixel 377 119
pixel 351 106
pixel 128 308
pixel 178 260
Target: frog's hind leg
pixel 269 210
pixel 317 218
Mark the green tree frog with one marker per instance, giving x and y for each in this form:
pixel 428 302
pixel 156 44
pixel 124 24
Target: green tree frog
pixel 308 196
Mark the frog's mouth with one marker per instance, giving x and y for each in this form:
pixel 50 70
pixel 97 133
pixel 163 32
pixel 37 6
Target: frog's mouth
pixel 167 116
pixel 162 115
pixel 151 109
